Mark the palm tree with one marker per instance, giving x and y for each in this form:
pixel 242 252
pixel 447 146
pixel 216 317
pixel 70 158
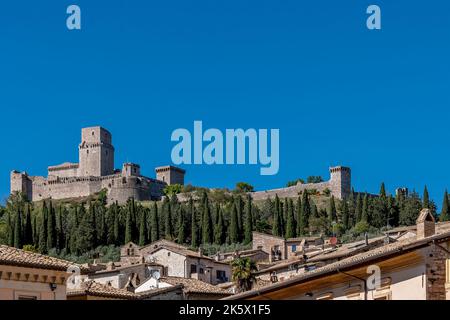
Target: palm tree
pixel 243 275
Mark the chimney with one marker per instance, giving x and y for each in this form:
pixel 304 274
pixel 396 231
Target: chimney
pixel 425 224
pixel 200 251
pixel 366 238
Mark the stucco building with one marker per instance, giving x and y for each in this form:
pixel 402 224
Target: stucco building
pixel 30 276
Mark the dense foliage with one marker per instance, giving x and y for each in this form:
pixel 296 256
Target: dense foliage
pixel 214 219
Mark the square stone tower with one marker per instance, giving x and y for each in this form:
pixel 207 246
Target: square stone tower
pixel 340 182
pixel 96 153
pixel 170 175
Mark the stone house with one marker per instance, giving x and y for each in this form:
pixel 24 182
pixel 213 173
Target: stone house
pixel 279 248
pixel 416 268
pixel 178 261
pixel 30 276
pixel 193 289
pixel 128 276
pixel 92 290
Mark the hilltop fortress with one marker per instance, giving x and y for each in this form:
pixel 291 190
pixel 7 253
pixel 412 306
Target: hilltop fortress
pixel 95 172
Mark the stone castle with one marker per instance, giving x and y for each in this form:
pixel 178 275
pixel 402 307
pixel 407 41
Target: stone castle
pixel 95 172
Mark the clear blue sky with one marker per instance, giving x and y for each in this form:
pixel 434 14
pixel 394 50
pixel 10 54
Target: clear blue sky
pixel 377 101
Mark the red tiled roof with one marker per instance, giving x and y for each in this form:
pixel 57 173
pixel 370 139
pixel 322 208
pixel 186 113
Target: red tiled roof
pixel 20 258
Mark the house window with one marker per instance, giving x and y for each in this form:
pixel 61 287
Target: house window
pixel 193 268
pixel 168 254
pixel 23 297
pixel 201 271
pixel 294 248
pixel 221 275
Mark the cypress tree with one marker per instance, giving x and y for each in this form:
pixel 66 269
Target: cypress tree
pixel 51 233
pixel 168 226
pixel 445 215
pixel 86 231
pixel 233 233
pixel 382 190
pixel 306 212
pixel 351 209
pixel 207 230
pixel 277 219
pixel 194 226
pixel 365 209
pixel 116 229
pixel 345 215
pixel 43 230
pixel 219 228
pixel 358 208
pixel 181 237
pixel 142 228
pixel 299 216
pixel 290 221
pixel 248 221
pixel 239 207
pixel 155 223
pixel 426 198
pixel 28 229
pixel 18 230
pixel 332 215
pixel 35 230
pixel 9 229
pixel 128 227
pixel 60 244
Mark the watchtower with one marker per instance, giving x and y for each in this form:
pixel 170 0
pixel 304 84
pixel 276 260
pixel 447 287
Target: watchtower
pixel 340 182
pixel 170 175
pixel 96 153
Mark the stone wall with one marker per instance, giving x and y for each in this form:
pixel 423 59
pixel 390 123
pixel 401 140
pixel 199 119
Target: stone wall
pixel 436 271
pixel 339 186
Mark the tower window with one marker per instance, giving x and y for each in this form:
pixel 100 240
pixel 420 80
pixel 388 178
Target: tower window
pixel 93 133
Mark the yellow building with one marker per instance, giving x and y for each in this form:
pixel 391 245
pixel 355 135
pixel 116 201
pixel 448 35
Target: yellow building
pixel 30 276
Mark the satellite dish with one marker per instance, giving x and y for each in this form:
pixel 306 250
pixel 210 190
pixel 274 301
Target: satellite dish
pixel 156 275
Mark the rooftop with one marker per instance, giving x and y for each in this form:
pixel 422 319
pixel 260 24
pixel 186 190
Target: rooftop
pixel 392 249
pixel 20 258
pixel 92 288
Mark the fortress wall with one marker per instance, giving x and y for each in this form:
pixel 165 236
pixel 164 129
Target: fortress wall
pixel 141 188
pixel 290 192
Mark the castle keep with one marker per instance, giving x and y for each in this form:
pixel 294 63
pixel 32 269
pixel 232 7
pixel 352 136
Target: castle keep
pixel 94 172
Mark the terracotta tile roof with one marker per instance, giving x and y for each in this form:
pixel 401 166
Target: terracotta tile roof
pixel 20 258
pixel 92 288
pixel 194 286
pixel 155 292
pixel 361 258
pixel 189 253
